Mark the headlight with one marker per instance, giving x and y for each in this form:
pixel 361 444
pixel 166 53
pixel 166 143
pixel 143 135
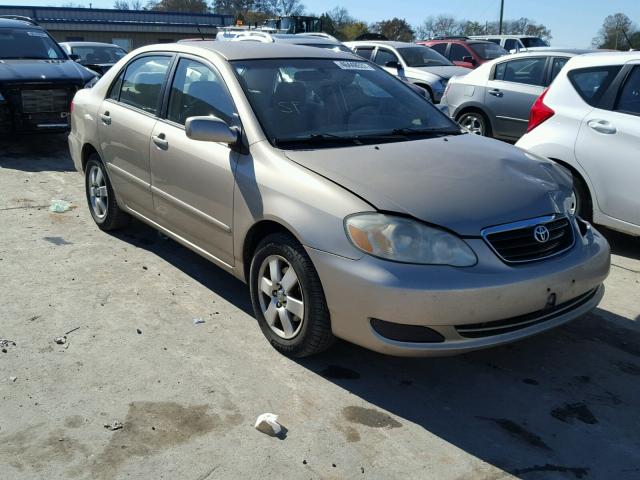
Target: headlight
pixel 405 240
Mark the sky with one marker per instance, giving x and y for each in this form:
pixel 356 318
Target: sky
pixel 573 23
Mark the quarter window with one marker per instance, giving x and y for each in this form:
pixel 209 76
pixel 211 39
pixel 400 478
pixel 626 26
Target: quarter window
pixel 629 100
pixel 197 90
pixel 385 56
pixel 528 71
pixel 558 63
pixel 591 83
pixel 143 81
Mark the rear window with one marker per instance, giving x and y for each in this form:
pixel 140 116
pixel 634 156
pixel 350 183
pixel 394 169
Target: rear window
pixel 591 83
pixel 98 54
pixel 488 51
pixel 531 42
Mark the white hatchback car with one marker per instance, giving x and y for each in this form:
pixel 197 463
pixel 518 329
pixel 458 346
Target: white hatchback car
pixel 589 121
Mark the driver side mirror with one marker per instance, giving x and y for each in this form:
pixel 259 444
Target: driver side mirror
pixel 469 59
pixel 393 64
pixel 210 129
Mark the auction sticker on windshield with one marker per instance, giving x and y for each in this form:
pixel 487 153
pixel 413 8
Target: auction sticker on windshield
pixel 346 65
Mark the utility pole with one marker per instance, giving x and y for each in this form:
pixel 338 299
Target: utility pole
pixel 501 16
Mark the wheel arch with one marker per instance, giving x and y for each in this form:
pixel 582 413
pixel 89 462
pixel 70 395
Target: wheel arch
pixel 87 150
pixel 576 173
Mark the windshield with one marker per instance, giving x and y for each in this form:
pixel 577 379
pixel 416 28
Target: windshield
pixel 422 57
pixel 93 55
pixel 488 51
pixel 22 43
pixel 530 42
pixel 326 102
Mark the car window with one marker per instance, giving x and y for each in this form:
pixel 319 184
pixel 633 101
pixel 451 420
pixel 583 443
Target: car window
pixel 196 91
pixel 591 83
pixel 114 91
pixel 530 42
pixel 384 56
pixel 488 50
pixel 558 63
pixel 143 81
pixel 420 56
pixel 457 52
pixel 23 43
pixel 528 71
pixel 296 98
pixel 365 52
pixel 510 44
pixel 629 100
pixel 99 54
pixel 439 47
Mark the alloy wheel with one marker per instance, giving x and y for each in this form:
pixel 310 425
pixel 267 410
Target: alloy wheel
pixel 472 122
pixel 98 193
pixel 281 297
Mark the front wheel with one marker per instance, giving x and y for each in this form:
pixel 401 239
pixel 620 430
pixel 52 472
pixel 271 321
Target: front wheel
pixel 581 199
pixel 101 198
pixel 288 299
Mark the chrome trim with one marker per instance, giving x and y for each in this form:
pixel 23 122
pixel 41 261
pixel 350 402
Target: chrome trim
pixel 513 118
pixel 532 222
pixel 129 176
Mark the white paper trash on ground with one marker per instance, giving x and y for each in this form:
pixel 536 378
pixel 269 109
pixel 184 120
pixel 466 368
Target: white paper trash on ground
pixel 268 423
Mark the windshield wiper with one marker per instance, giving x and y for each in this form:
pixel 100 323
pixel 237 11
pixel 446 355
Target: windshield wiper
pixel 316 139
pixel 408 131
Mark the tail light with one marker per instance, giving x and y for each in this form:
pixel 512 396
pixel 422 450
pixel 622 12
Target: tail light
pixel 539 112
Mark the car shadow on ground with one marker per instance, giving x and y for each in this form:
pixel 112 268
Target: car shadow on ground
pixel 622 244
pixel 36 153
pixel 559 405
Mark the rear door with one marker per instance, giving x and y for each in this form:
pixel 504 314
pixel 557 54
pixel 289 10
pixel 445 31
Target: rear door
pixel 192 181
pixel 512 88
pixel 126 119
pixel 608 144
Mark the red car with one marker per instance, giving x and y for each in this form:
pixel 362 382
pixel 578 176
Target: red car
pixel 465 52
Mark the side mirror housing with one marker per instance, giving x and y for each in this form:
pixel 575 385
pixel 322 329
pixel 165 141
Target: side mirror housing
pixel 210 129
pixel 469 59
pixel 393 64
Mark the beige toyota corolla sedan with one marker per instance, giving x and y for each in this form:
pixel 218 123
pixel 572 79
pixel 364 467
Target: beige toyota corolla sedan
pixel 351 206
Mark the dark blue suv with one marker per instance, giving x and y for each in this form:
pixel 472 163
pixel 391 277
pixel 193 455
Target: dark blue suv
pixel 37 79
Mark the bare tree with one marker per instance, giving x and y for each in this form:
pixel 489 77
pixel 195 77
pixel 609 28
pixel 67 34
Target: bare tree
pixel 128 5
pixel 614 32
pixel 442 25
pixel 282 8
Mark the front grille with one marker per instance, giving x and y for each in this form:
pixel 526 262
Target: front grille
pixel 488 329
pixel 518 242
pixel 41 101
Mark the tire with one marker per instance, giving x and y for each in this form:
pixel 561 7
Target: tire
pixel 279 300
pixel 104 209
pixel 584 207
pixel 476 122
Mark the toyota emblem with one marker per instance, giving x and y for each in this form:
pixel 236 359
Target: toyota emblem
pixel 541 234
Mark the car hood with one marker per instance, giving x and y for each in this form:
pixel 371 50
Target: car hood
pixel 463 182
pixel 55 71
pixel 445 72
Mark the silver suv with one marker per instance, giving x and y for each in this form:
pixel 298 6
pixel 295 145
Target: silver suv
pixel 351 206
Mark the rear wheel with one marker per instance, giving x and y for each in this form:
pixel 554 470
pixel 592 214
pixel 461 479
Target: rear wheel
pixel 288 299
pixel 101 198
pixel 476 123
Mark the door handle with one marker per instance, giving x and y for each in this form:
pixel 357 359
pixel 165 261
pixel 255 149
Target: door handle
pixel 496 93
pixel 106 119
pixel 602 126
pixel 160 141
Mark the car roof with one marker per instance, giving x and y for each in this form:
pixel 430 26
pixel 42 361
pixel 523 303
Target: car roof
pixel 386 43
pixel 252 50
pixel 303 39
pixel 456 40
pixel 604 57
pixel 502 36
pixel 89 44
pixel 549 51
pixel 13 23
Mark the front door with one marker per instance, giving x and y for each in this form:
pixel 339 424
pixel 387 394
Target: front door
pixel 125 121
pixel 511 91
pixel 608 148
pixel 193 181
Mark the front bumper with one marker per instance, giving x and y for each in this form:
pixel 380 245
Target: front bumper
pixel 445 299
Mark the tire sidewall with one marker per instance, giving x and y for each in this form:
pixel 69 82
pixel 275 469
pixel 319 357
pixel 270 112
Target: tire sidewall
pixel 486 131
pixel 93 161
pixel 263 251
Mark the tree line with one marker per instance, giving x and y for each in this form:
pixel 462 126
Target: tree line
pixel 618 31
